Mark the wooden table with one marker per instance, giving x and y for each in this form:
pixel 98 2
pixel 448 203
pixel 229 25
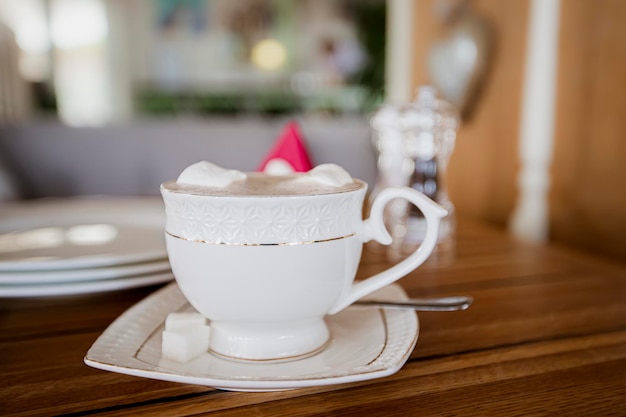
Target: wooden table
pixel 545 336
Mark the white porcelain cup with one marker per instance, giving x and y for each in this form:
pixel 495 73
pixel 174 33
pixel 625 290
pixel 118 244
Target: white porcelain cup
pixel 266 270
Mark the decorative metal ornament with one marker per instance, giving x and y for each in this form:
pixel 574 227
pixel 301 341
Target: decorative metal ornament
pixel 458 61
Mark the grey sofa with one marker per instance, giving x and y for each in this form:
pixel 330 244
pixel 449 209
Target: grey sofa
pixel 47 159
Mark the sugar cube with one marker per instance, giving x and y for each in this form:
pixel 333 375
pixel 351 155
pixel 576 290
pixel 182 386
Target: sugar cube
pixel 177 321
pixel 185 344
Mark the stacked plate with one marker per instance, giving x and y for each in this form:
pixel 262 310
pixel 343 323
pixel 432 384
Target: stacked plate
pixel 81 245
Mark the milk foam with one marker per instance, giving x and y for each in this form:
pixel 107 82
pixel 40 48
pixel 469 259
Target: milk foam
pixel 206 174
pixel 205 178
pixel 328 174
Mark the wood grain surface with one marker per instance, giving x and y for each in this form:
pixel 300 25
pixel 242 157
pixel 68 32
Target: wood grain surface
pixel 546 336
pixel 588 199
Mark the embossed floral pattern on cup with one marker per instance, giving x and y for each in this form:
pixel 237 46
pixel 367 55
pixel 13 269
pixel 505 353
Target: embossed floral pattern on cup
pixel 262 220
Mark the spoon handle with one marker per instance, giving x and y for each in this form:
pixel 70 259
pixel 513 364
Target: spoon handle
pixel 424 304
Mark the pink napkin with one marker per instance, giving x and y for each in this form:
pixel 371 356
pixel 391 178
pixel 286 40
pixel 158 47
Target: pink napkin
pixel 289 150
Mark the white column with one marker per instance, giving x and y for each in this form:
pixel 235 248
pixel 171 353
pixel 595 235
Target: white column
pixel 399 51
pixel 119 62
pixel 81 67
pixel 530 217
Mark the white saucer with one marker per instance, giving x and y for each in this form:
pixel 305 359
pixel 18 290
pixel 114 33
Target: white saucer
pixel 73 233
pixel 88 274
pixel 366 343
pixel 83 287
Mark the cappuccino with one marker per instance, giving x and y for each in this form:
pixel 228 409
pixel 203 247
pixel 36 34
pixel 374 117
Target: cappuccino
pixel 256 184
pixel 204 178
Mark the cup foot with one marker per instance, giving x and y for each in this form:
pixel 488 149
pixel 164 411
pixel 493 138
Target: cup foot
pixel 268 342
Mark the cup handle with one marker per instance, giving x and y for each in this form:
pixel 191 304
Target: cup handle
pixel 374 228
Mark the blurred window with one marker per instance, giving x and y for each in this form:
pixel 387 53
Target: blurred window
pixel 95 61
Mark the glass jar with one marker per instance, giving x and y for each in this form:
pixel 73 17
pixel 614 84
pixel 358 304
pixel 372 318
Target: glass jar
pixel 414 143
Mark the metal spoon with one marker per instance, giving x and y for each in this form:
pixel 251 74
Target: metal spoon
pixel 424 304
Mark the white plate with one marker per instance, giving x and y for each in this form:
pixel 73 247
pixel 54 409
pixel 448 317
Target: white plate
pixel 45 290
pixel 366 343
pixel 89 274
pixel 73 233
